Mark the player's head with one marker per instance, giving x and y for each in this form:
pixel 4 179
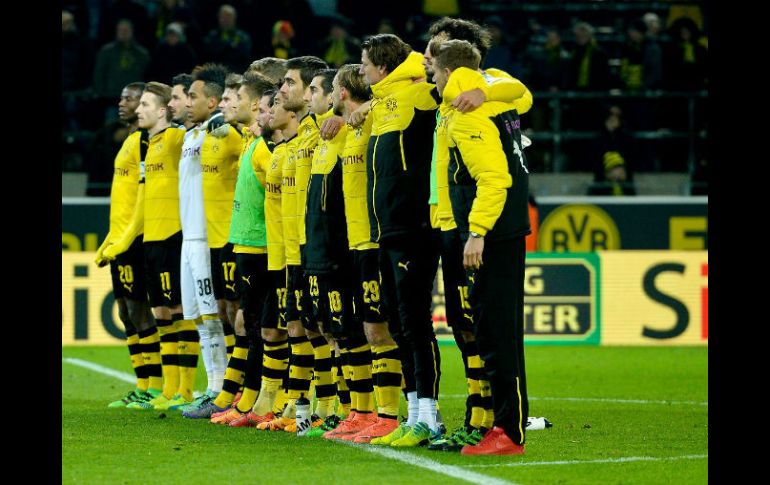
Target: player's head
pixel 206 91
pixel 450 55
pixel 178 104
pixel 319 93
pixel 263 114
pixel 349 84
pixel 229 103
pixel 461 29
pixel 129 101
pixel 299 74
pixel 380 55
pixel 271 67
pixel 280 117
pixel 248 96
pixel 153 106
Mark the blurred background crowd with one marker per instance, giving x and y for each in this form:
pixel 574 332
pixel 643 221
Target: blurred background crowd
pixel 620 87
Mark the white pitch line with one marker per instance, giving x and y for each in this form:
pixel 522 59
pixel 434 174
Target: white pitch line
pixel 434 466
pixel 448 470
pixel 123 376
pixel 625 459
pixel 594 399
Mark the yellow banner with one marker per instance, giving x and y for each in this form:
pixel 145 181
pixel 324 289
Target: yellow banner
pixel 89 315
pixel 654 297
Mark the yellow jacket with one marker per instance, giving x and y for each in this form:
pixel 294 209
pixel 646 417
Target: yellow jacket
pixel 399 151
pixel 499 86
pixel 488 177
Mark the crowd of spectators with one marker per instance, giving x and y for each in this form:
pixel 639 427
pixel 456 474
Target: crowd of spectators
pixel 108 43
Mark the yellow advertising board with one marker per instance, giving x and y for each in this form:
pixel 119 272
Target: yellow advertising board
pixel 89 315
pixel 654 297
pixel 605 298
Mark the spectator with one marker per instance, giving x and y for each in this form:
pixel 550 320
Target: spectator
pixel 76 55
pixel 641 61
pixel 169 11
pixel 340 47
pixel 686 67
pixel 549 63
pixel 652 21
pixel 612 156
pixel 118 63
pixel 227 44
pixel 588 69
pixel 283 32
pixel 116 10
pixel 172 56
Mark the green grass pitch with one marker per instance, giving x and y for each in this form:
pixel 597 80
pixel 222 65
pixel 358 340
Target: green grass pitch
pixel 622 415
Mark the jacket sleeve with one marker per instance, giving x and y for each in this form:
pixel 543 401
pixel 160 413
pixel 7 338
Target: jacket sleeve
pixel 425 96
pixel 484 157
pixel 504 89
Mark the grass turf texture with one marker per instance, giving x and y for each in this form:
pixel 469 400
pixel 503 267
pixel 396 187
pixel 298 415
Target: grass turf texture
pixel 120 446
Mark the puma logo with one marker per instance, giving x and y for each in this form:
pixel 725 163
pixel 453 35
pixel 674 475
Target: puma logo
pixel 315 303
pixel 472 278
pixel 469 317
pixel 375 309
pixel 338 320
pixel 128 287
pixel 477 137
pixel 167 295
pixel 404 265
pixel 230 287
pixel 247 279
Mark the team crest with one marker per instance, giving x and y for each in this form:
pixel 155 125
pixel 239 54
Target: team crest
pixel 359 132
pixel 159 147
pixel 322 151
pixel 215 148
pixel 391 104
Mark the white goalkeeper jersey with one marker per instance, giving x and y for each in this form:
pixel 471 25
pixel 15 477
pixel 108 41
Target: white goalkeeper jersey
pixel 191 212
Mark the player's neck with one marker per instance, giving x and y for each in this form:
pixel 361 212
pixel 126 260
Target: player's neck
pixel 159 126
pixel 302 113
pixel 348 106
pixel 291 129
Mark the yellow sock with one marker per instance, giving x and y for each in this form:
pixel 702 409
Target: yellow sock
pixel 187 353
pixel 343 393
pixel 389 379
pixel 248 399
pixel 234 375
pixel 137 363
pixel 149 341
pixel 361 386
pixel 168 356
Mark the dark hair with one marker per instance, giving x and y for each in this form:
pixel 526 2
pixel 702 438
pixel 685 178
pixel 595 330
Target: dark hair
pixel 256 84
pixel 136 86
pixel 184 79
pixel 456 53
pixel 386 50
pixel 163 92
pixel 307 66
pixel 328 77
pixel 271 93
pixel 213 77
pixel 349 78
pixel 463 30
